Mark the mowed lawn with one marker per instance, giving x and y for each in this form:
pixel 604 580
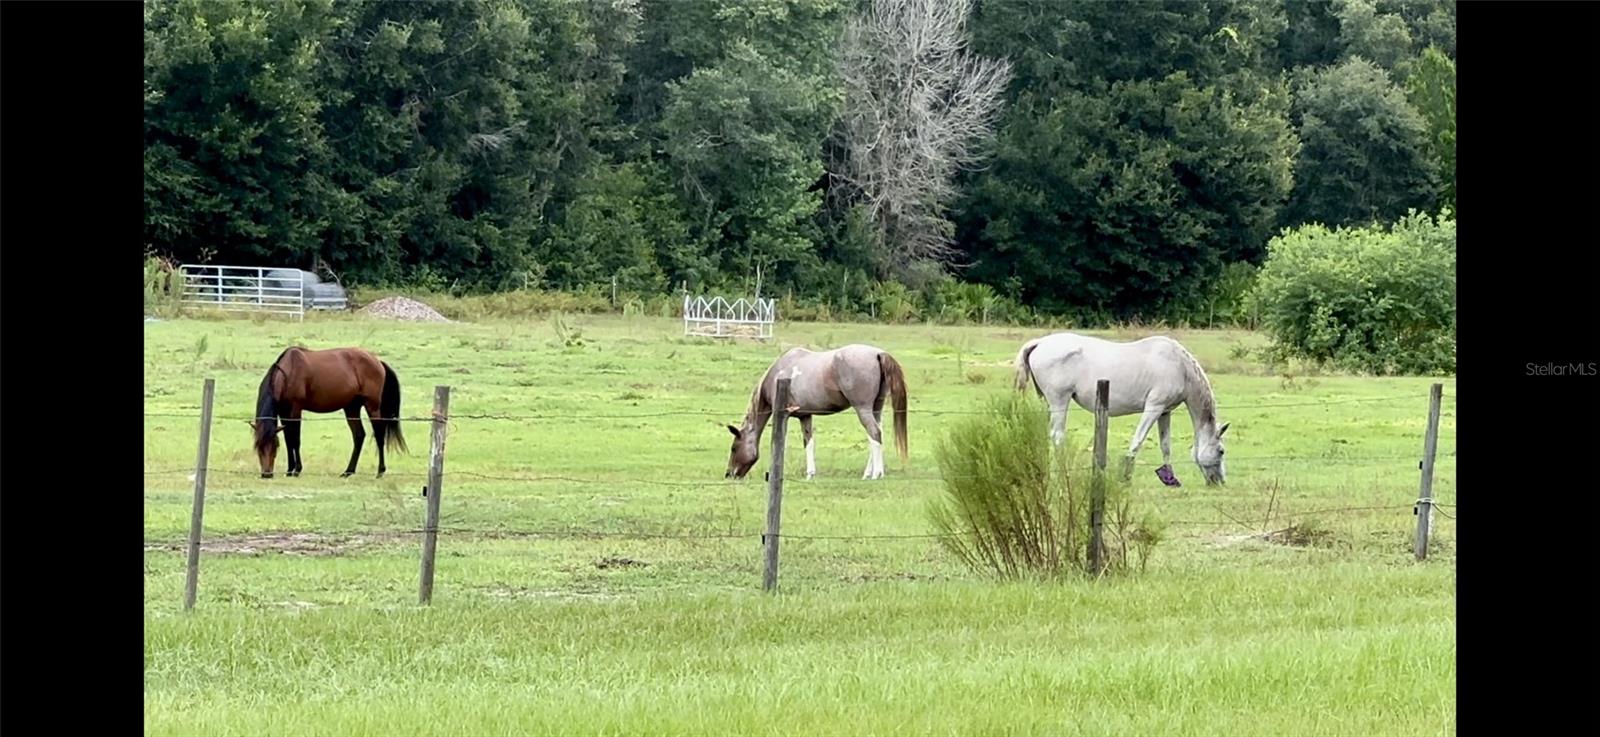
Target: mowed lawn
pixel 597 575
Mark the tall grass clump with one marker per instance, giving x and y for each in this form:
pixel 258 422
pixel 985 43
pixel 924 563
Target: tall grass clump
pixel 1014 508
pixel 161 286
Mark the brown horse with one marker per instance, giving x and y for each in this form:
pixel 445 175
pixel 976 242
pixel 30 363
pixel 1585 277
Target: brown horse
pixel 854 376
pixel 326 381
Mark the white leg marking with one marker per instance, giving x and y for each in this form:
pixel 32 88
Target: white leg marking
pixel 874 462
pixel 811 458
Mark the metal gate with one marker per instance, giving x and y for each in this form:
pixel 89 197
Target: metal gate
pixel 258 289
pixel 716 317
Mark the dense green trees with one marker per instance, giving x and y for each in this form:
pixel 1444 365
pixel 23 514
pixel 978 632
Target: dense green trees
pixel 1431 88
pixel 1147 144
pixel 1365 148
pixel 1140 149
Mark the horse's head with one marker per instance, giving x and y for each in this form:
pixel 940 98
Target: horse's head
pixel 743 455
pixel 266 434
pixel 1208 454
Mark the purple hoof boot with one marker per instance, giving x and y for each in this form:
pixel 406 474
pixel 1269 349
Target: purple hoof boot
pixel 1167 477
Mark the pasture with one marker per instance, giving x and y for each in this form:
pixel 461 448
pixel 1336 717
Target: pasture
pixel 597 575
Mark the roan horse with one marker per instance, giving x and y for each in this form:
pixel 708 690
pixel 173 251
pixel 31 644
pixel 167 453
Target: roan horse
pixel 1149 376
pixel 326 381
pixel 854 376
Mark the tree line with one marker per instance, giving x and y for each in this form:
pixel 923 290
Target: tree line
pixel 1127 159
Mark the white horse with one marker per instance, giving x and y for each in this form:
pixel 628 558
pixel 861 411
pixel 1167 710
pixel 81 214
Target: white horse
pixel 1150 377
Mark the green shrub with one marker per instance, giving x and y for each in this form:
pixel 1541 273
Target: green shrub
pixel 1373 299
pixel 1227 302
pixel 1015 509
pixel 895 303
pixel 161 286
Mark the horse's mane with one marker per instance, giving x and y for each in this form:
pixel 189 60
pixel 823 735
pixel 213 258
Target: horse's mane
pixel 758 399
pixel 266 419
pixel 1200 387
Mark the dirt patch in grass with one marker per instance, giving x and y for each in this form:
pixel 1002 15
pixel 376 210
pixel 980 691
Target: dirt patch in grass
pixel 526 593
pixel 285 543
pixel 1302 536
pixel 609 562
pixel 1298 535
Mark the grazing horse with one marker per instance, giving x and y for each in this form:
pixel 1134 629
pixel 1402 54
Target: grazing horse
pixel 1150 376
pixel 326 381
pixel 855 376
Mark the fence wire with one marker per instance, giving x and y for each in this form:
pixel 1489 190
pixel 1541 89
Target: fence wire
pixel 193 412
pixel 1229 519
pixel 566 533
pixel 610 481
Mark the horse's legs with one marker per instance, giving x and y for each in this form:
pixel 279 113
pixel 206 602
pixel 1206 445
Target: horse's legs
pixel 811 447
pixel 1058 421
pixel 291 441
pixel 1164 424
pixel 374 411
pixel 874 443
pixel 1146 421
pixel 877 405
pixel 352 413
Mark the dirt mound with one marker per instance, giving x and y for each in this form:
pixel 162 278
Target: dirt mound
pixel 402 308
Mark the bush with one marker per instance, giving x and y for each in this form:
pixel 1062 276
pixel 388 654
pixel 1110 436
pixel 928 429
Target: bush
pixel 1227 302
pixel 894 303
pixel 1015 509
pixel 952 302
pixel 1374 299
pixel 161 286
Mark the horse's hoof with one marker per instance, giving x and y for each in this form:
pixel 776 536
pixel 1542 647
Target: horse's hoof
pixel 266 475
pixel 347 474
pixel 1167 476
pixel 380 474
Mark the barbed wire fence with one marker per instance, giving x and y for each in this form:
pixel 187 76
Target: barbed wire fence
pixel 441 422
pixel 189 413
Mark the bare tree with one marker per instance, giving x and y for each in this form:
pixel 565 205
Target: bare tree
pixel 918 108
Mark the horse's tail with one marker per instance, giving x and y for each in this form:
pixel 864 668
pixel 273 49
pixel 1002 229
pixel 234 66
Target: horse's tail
pixel 896 377
pixel 390 407
pixel 1024 372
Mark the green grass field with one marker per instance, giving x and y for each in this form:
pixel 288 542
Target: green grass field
pixel 597 575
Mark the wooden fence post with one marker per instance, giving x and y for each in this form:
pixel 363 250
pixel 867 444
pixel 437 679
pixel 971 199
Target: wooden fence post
pixel 780 426
pixel 1430 446
pixel 1097 489
pixel 191 580
pixel 430 529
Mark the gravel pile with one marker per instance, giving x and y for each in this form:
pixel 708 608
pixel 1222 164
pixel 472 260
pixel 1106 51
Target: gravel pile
pixel 401 308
